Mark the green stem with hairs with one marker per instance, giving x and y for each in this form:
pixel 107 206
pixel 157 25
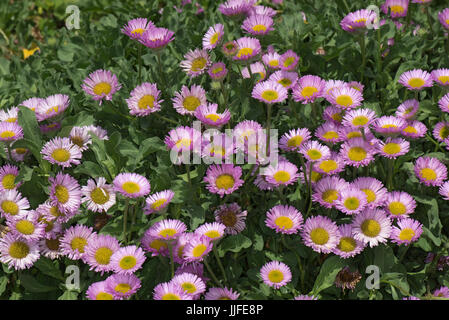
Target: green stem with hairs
pixel 211 273
pixel 172 260
pixel 164 118
pixel 309 193
pixel 390 174
pixel 268 128
pixel 220 265
pixel 125 220
pixel 139 57
pixel 363 52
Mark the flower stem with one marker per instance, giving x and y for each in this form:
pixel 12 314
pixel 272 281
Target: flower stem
pixel 309 193
pixel 363 52
pixel 164 118
pixel 390 174
pixel 268 128
pixel 139 57
pixel 172 261
pixel 220 265
pixel 125 218
pixel 188 174
pixel 212 274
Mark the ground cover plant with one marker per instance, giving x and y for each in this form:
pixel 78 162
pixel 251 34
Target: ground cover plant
pixel 234 149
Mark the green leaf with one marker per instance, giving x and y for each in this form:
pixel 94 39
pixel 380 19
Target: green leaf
pixel 31 132
pixel 49 267
pixel 69 295
pixel 31 284
pixel 234 244
pixel 327 274
pixel 3 282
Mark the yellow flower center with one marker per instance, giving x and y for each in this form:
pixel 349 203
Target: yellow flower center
pixel 122 288
pixel 328 165
pixel 60 155
pixel 213 234
pixel 319 236
pixel 352 203
pixel 217 70
pixel 406 234
pixel 214 38
pixel 357 154
pixel 54 211
pixel 8 181
pixel 20 150
pixel 52 109
pixel 284 222
pixel 316 176
pixel 410 129
pixel 397 208
pixel 347 244
pixel 344 100
pixel 285 82
pixel 389 126
pixel 314 154
pixel 62 194
pixel 337 117
pixel 370 195
pixel 444 132
pixel 103 255
pixel 78 243
pixel 102 88
pixel 213 117
pixel 428 174
pixel 198 64
pixel 416 82
pixel 225 181
pixel 147 101
pixel 18 250
pixel 360 121
pixel 128 262
pixel 170 296
pixel 158 244
pixel 25 227
pixel 191 103
pixel 294 141
pixel 10 207
pixel 370 228
pixel 199 250
pixel 104 296
pixel 275 276
pixel 289 61
pixel 245 52
pixel 183 142
pixel 330 135
pixel 259 28
pixel 392 148
pixel 188 287
pixel 169 232
pixel 397 9
pixel 308 92
pixel 11 120
pixel 130 187
pixel 158 203
pixel 99 196
pixel 273 63
pixel 281 176
pixel 270 95
pixel 138 30
pixel 7 134
pixel 329 195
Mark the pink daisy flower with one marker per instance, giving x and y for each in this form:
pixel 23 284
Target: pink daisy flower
pixel 188 100
pixel 441 77
pixel 232 216
pixel 217 71
pixel 167 229
pixel 127 260
pixel 207 114
pixel 444 103
pixel 144 99
pixel 285 78
pixel 65 193
pixel 98 252
pixel 284 219
pixel 8 175
pixel 308 89
pixel 74 241
pixel 284 173
pixel 269 92
pixel 321 234
pixel 99 195
pixel 414 130
pixel 345 98
pixel 27 227
pixel 170 291
pixel 196 62
pixel 18 253
pixel 371 226
pixel 430 171
pixel 52 107
pixel 327 191
pixel 351 201
pixel 122 285
pixel 357 21
pixel 408 231
pixel 213 230
pixel 247 49
pixel 314 151
pixel 257 68
pixel 333 165
pixel 374 190
pixel 359 118
pixel 223 179
pixel 399 204
pixel 10 131
pixel 97 291
pixel 328 132
pixel 213 36
pixel 136 27
pixel 393 148
pixel 158 202
pixel 357 152
pixel 101 84
pixel 275 274
pixel 293 140
pixel 236 7
pixel 131 185
pixel 443 16
pixel 389 125
pixel 396 8
pixel 221 294
pixel 197 248
pixel 190 284
pixel 156 38
pixel 61 151
pixel 444 190
pixel 348 246
pixel 441 131
pixel 258 25
pixel 416 79
pixel 271 60
pixel 408 109
pixel 288 60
